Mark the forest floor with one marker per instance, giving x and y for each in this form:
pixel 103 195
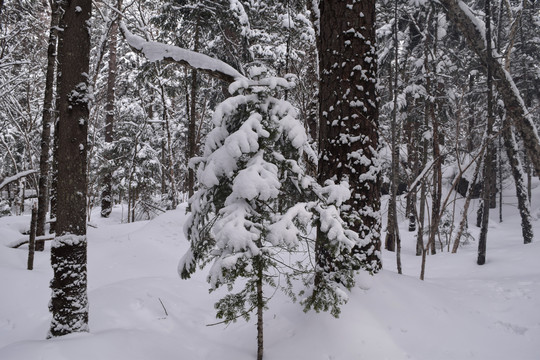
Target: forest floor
pixel 141 310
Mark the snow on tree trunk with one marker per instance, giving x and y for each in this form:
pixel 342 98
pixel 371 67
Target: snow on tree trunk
pixel 69 302
pixel 348 136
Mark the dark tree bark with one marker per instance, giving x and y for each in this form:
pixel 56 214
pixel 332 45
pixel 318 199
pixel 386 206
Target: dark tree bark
pixel 488 163
pixel 54 177
pixel 348 136
pixel 69 302
pixel 48 115
pixel 192 141
pixel 521 190
pixel 106 194
pixel 392 231
pixel 32 241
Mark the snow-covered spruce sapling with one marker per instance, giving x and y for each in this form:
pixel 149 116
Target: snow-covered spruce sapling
pixel 256 205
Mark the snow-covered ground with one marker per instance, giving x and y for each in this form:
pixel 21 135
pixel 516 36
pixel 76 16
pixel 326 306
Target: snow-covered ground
pixel 141 309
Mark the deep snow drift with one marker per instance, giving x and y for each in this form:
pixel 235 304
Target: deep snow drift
pixel 141 309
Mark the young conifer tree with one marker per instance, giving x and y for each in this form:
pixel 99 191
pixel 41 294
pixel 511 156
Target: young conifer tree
pixel 256 204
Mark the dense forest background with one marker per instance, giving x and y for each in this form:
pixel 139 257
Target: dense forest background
pixel 432 92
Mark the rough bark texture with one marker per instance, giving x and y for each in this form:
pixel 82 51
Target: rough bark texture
pixel 106 194
pixel 47 117
pixel 458 14
pixel 69 302
pixel 348 137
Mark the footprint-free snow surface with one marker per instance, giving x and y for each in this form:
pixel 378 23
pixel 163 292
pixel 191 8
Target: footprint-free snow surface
pixel 141 310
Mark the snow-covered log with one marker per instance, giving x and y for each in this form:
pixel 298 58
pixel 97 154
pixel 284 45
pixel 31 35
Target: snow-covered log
pixel 156 51
pixel 20 242
pixel 473 29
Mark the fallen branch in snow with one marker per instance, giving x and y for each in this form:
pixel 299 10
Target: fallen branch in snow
pixel 16 177
pixel 164 309
pixel 152 206
pixel 18 243
pixel 155 51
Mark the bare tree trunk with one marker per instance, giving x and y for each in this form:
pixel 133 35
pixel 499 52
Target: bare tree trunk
pixel 521 191
pixel 170 164
pixel 32 242
pixel 106 194
pixel 488 163
pixel 48 111
pixel 54 179
pixel 192 143
pixel 432 89
pixel 69 301
pixel 392 230
pixel 463 222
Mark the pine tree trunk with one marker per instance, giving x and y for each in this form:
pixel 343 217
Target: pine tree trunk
pixel 106 194
pixel 521 191
pixel 69 301
pixel 348 135
pixel 47 117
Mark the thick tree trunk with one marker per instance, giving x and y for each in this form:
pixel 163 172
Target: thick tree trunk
pixel 69 301
pixel 106 193
pixel 462 17
pixel 349 117
pixel 48 111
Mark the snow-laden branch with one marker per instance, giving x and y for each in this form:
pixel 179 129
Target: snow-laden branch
pixel 16 177
pixel 474 31
pixel 155 51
